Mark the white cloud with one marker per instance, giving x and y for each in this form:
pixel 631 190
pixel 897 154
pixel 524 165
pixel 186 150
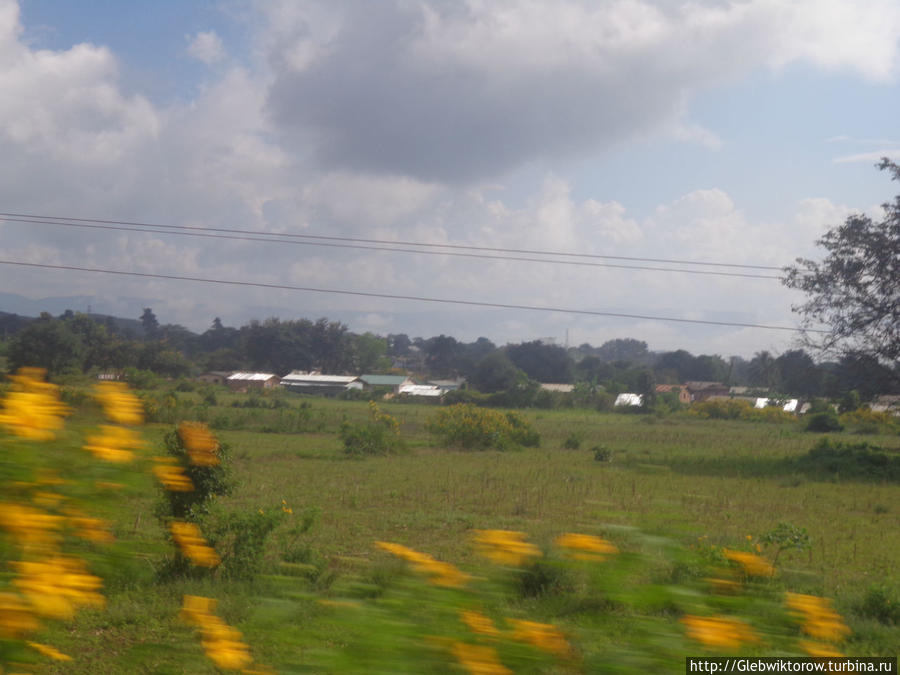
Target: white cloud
pixel 463 91
pixel 872 156
pixel 206 46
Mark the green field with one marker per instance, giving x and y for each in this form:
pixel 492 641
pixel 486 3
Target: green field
pixel 697 483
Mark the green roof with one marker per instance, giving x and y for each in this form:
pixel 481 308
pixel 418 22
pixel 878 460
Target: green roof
pixel 383 380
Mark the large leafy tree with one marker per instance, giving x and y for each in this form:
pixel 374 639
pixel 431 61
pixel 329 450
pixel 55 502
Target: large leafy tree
pixel 854 293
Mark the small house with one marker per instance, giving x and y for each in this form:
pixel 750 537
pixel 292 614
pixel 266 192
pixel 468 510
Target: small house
pixel 316 383
pixel 684 396
pixel 391 383
pixel 215 376
pixel 247 381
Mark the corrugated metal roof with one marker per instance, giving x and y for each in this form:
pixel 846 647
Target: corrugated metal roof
pixel 317 379
pixel 421 390
pixel 629 399
pixel 381 380
pixel 251 376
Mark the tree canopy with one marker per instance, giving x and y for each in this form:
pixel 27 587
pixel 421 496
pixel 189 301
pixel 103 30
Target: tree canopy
pixel 855 291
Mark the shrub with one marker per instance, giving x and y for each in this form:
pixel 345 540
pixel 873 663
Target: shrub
pixel 880 604
pixel 463 425
pixel 572 441
pixel 867 421
pixel 240 539
pixel 859 460
pixel 737 409
pixel 379 436
pixel 824 422
pixel 601 454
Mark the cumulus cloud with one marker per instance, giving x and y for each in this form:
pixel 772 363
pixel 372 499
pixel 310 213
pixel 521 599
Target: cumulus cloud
pixel 206 46
pixel 461 91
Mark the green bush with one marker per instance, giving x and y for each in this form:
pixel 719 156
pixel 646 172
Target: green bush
pixel 737 409
pixel 466 426
pixel 881 604
pixel 209 482
pixel 240 540
pixel 859 460
pixel 572 441
pixel 824 422
pixel 379 436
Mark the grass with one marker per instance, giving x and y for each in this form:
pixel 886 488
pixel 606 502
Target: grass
pixel 700 482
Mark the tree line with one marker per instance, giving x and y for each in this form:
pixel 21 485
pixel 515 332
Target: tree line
pixel 81 343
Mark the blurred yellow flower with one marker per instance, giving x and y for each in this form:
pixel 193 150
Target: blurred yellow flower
pixel 57 586
pixel 192 544
pixel 819 618
pixel 173 477
pixel 200 443
pixel 47 650
pixel 32 409
pixel 16 617
pixel 586 546
pixel 544 636
pixel 724 586
pixel 90 529
pixel 819 649
pixel 714 631
pixel 753 565
pixel 31 527
pixel 119 404
pixel 114 444
pixel 479 623
pixel 440 573
pixel 222 643
pixel 505 547
pixel 479 660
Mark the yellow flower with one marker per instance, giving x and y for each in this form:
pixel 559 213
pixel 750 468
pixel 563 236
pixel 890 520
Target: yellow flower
pixel 47 650
pixel 479 660
pixel 192 544
pixel 194 608
pixel 819 619
pixel 120 405
pixel 819 649
pixel 200 443
pixel 16 617
pixel 91 529
pixel 753 565
pixel 30 526
pixel 544 636
pixel 440 573
pixel 505 547
pixel 586 546
pixel 715 631
pixel 32 408
pixel 57 586
pixel 114 444
pixel 173 477
pixel 479 623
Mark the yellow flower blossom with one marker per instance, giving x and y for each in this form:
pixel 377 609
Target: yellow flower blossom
pixel 820 621
pixel 586 546
pixel 90 529
pixel 714 631
pixel 479 660
pixel 30 526
pixel 173 477
pixel 200 443
pixel 505 547
pixel 753 565
pixel 544 636
pixel 222 643
pixel 440 573
pixel 16 617
pixel 57 586
pixel 119 404
pixel 114 444
pixel 819 649
pixel 479 623
pixel 32 409
pixel 47 650
pixel 192 544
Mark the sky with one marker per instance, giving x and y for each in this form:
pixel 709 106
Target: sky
pixel 709 132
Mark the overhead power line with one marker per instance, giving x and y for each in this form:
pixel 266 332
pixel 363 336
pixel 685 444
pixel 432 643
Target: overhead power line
pixel 416 298
pixel 272 240
pixel 71 221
